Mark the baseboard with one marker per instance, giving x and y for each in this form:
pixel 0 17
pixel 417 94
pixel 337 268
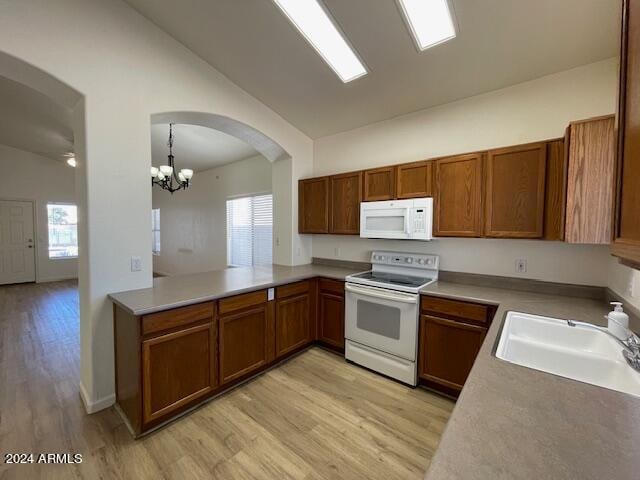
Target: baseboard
pixel 56 279
pixel 100 404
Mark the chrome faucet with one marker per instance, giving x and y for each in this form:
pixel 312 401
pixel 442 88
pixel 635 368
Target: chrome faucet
pixel 630 345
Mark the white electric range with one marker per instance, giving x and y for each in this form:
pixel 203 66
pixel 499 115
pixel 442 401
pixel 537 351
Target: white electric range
pixel 381 312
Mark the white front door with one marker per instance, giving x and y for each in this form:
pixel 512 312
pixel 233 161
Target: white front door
pixel 17 245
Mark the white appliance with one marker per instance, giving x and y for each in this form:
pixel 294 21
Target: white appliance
pixel 402 219
pixel 381 313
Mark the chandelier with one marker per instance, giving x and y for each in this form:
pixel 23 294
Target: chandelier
pixel 165 175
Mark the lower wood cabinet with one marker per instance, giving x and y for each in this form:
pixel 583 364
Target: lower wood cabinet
pixel 451 333
pixel 245 334
pixel 166 362
pixel 448 349
pixel 294 317
pixel 170 361
pixel 177 369
pixel 331 313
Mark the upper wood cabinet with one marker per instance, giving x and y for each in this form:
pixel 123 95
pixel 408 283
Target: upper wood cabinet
pixel 379 184
pixel 515 187
pixel 626 234
pixel 313 205
pixel 413 180
pixel 590 181
pixel 458 196
pixel 555 191
pixel 345 196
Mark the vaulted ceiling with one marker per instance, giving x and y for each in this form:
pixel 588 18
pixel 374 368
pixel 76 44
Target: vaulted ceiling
pixel 198 148
pixel 32 122
pixel 499 43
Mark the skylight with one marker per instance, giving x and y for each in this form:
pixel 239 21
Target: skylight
pixel 430 21
pixel 313 22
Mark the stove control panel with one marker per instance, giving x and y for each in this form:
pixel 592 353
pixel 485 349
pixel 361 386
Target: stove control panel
pixel 414 260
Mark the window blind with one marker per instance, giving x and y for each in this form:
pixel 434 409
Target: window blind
pixel 250 230
pixel 155 231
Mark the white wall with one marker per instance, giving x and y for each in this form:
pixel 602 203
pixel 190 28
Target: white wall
pixel 28 176
pixel 193 222
pixel 126 69
pixel 536 110
pixel 625 282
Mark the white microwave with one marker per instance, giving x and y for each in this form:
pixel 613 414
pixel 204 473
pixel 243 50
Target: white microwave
pixel 400 219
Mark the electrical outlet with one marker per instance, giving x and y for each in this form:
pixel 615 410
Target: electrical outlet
pixel 336 251
pixel 521 265
pixel 136 264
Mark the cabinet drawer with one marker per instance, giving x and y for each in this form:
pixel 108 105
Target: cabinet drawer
pixel 169 319
pixel 466 311
pixel 332 286
pixel 240 302
pixel 292 289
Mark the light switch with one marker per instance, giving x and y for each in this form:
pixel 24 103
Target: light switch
pixel 136 264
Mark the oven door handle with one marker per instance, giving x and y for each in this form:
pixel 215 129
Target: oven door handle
pixel 382 294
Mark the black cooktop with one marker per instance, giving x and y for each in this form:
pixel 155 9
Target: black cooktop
pixel 393 278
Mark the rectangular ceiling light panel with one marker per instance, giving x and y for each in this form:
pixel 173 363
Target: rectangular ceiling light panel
pixel 430 21
pixel 313 22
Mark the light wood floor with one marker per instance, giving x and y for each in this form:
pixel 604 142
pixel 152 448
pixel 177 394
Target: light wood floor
pixel 315 417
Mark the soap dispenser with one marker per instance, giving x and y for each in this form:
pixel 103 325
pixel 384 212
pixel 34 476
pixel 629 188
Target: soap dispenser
pixel 618 321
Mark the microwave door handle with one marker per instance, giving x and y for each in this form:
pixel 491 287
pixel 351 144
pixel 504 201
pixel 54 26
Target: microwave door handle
pixel 375 293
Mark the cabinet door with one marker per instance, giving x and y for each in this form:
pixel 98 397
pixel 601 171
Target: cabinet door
pixel 515 191
pixel 331 319
pixel 590 181
pixel 626 243
pixel 313 205
pixel 555 191
pixel 413 180
pixel 379 184
pixel 447 350
pixel 458 196
pixel 177 369
pixel 243 342
pixel 346 193
pixel 292 324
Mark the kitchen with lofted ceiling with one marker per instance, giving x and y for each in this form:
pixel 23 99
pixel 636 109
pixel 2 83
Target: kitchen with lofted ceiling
pixel 318 239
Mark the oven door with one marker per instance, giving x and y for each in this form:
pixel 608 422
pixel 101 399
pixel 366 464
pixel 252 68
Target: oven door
pixel 383 319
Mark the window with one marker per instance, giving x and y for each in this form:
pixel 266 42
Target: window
pixel 155 231
pixel 63 230
pixel 249 230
